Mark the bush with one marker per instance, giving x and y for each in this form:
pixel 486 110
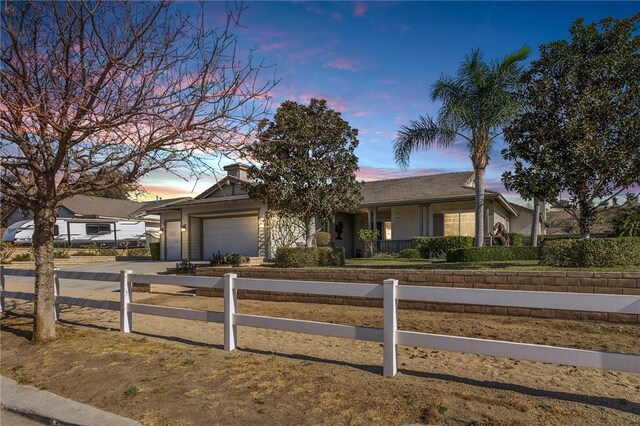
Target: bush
pixel 6 252
pixel 410 253
pixel 323 239
pixel 437 247
pixel 235 259
pixel 517 239
pixel 62 253
pixel 85 253
pixel 22 257
pixel 108 252
pixel 138 252
pixel 154 249
pixel 185 267
pixel 300 257
pixel 591 252
pixel 492 253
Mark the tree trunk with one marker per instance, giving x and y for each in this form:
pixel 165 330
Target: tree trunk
pixel 479 183
pixel 44 328
pixel 309 227
pixel 586 217
pixel 535 221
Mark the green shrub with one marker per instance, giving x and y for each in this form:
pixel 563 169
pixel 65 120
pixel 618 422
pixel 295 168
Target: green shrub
pixel 437 247
pixel 492 253
pixel 138 252
pixel 217 259
pixel 517 239
pixel 235 259
pixel 591 252
pixel 323 239
pixel 22 257
pixel 410 253
pixel 154 249
pixel 383 255
pixel 300 257
pixel 185 267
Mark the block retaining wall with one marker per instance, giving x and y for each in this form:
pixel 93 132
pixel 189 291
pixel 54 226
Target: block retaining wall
pixel 559 281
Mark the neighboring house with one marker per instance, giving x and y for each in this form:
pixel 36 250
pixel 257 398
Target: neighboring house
pixel 224 218
pixel 99 213
pixel 522 223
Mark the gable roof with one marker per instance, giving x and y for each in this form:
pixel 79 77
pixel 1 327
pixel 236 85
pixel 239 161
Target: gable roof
pixel 149 205
pixel 419 188
pixel 218 186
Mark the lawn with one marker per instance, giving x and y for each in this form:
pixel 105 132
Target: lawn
pixel 515 265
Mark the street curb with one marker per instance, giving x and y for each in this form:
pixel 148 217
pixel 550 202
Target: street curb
pixel 49 408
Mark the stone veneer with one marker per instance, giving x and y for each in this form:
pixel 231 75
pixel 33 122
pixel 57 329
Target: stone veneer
pixel 558 281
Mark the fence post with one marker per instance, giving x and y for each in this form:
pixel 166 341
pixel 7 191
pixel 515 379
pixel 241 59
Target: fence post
pixel 390 350
pixel 230 301
pixel 56 293
pixel 126 294
pixel 1 289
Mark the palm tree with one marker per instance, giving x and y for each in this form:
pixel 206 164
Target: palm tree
pixel 476 104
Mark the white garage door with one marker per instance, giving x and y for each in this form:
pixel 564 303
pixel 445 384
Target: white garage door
pixel 230 235
pixel 172 237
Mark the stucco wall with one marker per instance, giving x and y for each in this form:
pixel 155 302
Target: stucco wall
pixel 405 222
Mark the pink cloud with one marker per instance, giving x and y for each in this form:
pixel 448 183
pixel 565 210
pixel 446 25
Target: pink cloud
pixel 272 46
pixel 360 8
pixel 360 113
pixel 342 64
pixel 334 102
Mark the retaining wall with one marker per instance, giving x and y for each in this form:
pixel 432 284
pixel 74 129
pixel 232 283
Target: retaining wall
pixel 558 281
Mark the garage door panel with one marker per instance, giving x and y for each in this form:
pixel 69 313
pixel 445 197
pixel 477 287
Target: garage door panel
pixel 230 235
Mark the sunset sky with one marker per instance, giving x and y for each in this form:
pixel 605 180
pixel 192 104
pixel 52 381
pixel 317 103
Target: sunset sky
pixel 375 63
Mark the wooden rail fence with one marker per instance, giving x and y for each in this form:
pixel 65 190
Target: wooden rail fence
pixel 390 292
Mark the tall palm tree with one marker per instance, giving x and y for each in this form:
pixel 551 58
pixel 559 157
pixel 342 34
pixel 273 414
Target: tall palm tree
pixel 476 104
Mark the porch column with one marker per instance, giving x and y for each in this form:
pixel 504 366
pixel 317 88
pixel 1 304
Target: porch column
pixel 369 219
pixel 375 219
pixel 425 220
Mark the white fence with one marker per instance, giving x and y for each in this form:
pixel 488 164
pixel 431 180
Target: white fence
pixel 389 291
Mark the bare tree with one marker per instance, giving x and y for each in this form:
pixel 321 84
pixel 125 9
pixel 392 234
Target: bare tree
pixel 97 94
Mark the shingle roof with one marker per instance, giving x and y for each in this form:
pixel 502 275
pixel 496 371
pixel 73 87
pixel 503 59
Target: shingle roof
pixel 143 210
pixel 431 187
pixel 85 205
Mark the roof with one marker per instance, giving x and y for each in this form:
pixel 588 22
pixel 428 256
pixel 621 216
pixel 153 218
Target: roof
pixel 418 188
pixel 86 205
pixel 221 183
pixel 150 205
pixel 445 187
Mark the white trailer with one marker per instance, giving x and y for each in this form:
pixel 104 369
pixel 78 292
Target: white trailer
pixel 77 232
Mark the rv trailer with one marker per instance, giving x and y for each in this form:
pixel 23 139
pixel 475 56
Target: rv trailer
pixel 78 232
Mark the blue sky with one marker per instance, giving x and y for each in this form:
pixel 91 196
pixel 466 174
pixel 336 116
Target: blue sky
pixel 375 63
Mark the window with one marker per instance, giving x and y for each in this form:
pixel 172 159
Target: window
pixel 459 224
pixel 98 228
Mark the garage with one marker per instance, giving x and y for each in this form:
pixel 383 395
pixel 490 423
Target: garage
pixel 230 235
pixel 172 240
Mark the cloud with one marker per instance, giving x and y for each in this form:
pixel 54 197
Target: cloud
pixel 342 64
pixel 272 46
pixel 334 102
pixel 360 8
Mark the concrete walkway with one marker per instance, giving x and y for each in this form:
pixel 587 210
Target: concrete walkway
pixel 49 408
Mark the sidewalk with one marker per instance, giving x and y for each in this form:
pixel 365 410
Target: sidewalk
pixel 50 408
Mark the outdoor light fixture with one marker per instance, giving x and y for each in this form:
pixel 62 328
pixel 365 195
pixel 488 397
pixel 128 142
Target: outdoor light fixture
pixel 184 228
pixel 161 231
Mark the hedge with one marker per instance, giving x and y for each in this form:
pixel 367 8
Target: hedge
pixel 492 253
pixel 437 247
pixel 300 257
pixel 517 239
pixel 154 248
pixel 591 252
pixel 410 253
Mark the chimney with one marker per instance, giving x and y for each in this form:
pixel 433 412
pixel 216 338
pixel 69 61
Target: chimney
pixel 237 170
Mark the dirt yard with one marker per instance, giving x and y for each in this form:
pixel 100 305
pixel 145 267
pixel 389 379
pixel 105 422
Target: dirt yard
pixel 175 371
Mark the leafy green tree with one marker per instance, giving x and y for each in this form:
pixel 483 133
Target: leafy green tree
pixel 369 237
pixel 307 164
pixel 576 141
pixel 475 105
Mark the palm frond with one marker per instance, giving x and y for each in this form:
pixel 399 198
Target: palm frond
pixel 420 134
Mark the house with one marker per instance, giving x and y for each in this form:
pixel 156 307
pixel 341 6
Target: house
pixel 95 216
pixel 224 218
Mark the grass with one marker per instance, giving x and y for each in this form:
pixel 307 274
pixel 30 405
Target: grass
pixel 435 264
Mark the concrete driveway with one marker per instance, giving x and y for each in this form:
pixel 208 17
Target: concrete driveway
pixel 138 267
